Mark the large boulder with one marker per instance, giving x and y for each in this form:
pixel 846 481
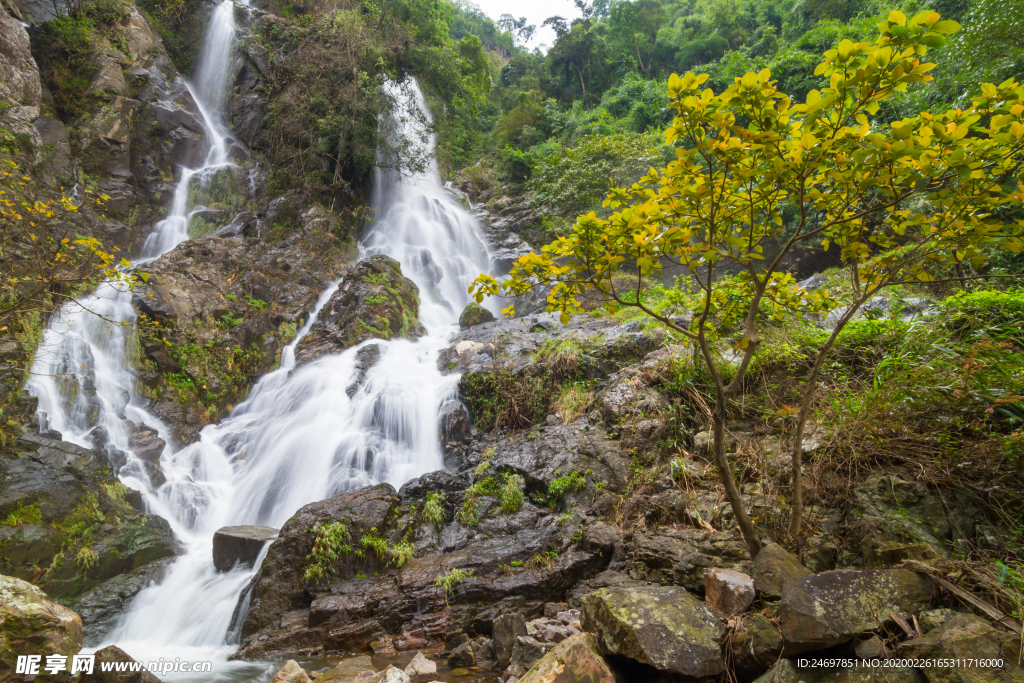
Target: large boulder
pixel 572 660
pixel 830 608
pixel 373 301
pixel 32 624
pixel 110 655
pixel 774 567
pixel 662 626
pixel 963 638
pixel 239 545
pixel 50 487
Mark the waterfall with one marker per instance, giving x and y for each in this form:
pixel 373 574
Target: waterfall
pixel 299 437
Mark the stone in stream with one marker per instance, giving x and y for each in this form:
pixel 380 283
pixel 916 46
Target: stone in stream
pixel 113 653
pixel 349 670
pixel 239 545
pixel 291 672
pixel 420 666
pixel 462 656
pixel 388 675
pixel 32 624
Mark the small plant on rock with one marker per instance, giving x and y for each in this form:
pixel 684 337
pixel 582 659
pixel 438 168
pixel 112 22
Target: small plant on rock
pixel 569 483
pixel 433 509
pixel 512 494
pixel 330 543
pixel 452 578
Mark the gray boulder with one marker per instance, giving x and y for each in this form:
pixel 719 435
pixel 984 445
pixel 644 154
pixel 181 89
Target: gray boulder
pixel 830 608
pixel 239 545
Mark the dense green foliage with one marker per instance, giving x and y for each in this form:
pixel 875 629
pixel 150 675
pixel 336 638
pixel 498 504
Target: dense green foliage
pixel 548 114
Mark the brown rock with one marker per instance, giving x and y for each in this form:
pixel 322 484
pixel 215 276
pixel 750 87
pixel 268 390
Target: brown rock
pixel 347 670
pixel 291 672
pixel 728 591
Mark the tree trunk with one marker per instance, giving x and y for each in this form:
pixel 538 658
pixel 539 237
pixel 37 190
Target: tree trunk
pixel 732 492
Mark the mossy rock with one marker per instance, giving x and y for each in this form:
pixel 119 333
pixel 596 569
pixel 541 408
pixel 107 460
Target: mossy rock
pixel 827 609
pixel 474 314
pixel 32 624
pixel 373 301
pixel 661 626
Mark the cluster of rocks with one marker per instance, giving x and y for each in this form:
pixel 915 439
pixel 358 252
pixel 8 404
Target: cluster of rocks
pixel 49 485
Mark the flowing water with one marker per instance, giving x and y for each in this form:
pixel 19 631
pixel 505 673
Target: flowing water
pixel 299 437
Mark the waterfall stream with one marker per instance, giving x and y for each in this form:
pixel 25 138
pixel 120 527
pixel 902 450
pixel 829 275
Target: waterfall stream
pixel 299 437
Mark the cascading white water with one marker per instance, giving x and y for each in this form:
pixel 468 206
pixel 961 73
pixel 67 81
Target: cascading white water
pixel 299 437
pixel 81 374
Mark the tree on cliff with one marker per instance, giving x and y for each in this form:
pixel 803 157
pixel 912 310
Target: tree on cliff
pixel 45 261
pixel 900 201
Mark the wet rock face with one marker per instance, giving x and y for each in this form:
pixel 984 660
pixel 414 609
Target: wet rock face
pixel 32 624
pixel 830 608
pixel 367 604
pixel 217 294
pixel 373 301
pixel 279 586
pixel 101 607
pixel 52 488
pixel 664 627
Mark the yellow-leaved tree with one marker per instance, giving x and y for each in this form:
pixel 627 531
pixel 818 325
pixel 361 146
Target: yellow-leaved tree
pixel 899 200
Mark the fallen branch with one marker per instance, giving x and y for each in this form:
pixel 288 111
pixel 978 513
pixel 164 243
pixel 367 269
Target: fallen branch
pixel 997 616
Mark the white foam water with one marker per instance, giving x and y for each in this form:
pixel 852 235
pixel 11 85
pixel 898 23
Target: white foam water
pixel 299 437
